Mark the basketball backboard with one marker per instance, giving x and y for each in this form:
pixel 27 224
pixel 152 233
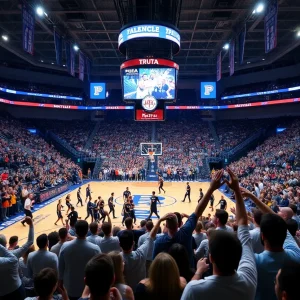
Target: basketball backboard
pixel 153 148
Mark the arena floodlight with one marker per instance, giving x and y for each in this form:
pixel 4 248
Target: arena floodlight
pixel 5 38
pixel 259 8
pixel 40 11
pixel 298 33
pixel 75 47
pixel 226 46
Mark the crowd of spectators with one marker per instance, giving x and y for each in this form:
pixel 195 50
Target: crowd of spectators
pixel 231 133
pixel 247 256
pixel 271 171
pixel 27 161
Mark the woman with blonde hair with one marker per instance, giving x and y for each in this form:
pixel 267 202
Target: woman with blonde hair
pixel 125 290
pixel 164 281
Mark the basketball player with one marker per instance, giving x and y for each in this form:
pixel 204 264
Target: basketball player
pixel 96 212
pixel 73 216
pixel 90 207
pixel 101 209
pixel 27 207
pixel 223 203
pixel 132 210
pixel 188 192
pixel 111 205
pixel 79 200
pixel 68 203
pixel 153 208
pixel 58 212
pixel 212 200
pixel 126 211
pixel 201 195
pixel 126 194
pixel 88 193
pixel 161 184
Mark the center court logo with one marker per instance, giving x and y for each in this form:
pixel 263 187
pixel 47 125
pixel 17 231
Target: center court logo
pixel 142 204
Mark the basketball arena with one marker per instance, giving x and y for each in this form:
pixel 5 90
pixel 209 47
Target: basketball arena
pixel 149 149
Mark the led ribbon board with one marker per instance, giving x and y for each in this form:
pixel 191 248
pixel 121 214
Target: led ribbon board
pixel 39 94
pixel 132 32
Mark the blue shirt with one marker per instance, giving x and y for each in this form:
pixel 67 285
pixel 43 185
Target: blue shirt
pixel 183 236
pixel 268 264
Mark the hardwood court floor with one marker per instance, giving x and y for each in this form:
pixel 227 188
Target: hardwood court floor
pixel 45 217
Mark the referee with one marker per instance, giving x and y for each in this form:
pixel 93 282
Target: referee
pixel 27 208
pixel 188 192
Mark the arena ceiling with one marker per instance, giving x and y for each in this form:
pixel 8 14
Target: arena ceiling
pixel 205 26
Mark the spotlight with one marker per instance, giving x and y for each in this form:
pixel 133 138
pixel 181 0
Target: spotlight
pixel 40 11
pixel 75 47
pixel 5 37
pixel 42 61
pixel 260 7
pixel 64 65
pixel 298 33
pixel 263 59
pixel 226 46
pixel 52 63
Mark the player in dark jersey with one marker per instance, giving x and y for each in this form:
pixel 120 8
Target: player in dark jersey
pixel 96 212
pixel 223 203
pixel 58 212
pixel 111 205
pixel 212 200
pixel 126 194
pixel 101 209
pixel 188 192
pixel 68 203
pixel 132 210
pixel 160 184
pixel 153 206
pixel 79 200
pixel 126 211
pixel 73 216
pixel 88 193
pixel 200 195
pixel 89 208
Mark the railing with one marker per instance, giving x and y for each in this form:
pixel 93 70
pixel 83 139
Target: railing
pixel 97 168
pixel 214 134
pixel 89 142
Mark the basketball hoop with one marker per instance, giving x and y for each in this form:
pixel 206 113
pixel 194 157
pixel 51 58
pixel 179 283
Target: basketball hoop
pixel 151 156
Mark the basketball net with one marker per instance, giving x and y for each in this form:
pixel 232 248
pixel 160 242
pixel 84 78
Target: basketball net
pixel 151 156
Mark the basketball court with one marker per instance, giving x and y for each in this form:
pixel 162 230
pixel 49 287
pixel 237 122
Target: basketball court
pixel 45 217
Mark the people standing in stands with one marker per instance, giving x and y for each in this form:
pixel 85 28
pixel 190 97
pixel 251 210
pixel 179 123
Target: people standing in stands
pixel 160 184
pixel 200 195
pixel 109 243
pixel 88 193
pixel 188 192
pixel 58 212
pixel 90 207
pixel 220 219
pixel 211 202
pixel 27 207
pixel 223 203
pixel 153 205
pixel 126 194
pixel 119 283
pixel 111 205
pixel 79 200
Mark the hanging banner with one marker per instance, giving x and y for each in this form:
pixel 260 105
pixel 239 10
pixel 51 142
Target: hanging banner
pixel 271 26
pixel 231 57
pixel 88 67
pixel 72 61
pixel 28 28
pixel 58 48
pixel 67 47
pixel 242 38
pixel 81 66
pixel 219 66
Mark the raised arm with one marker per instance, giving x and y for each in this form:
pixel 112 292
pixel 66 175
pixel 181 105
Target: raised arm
pixel 22 250
pixel 262 206
pixel 214 185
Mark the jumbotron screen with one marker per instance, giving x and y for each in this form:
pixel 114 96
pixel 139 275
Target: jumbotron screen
pixel 139 82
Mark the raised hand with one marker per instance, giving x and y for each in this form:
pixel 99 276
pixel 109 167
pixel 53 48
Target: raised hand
pixel 234 181
pixel 245 193
pixel 167 216
pixel 216 180
pixel 28 221
pixel 202 266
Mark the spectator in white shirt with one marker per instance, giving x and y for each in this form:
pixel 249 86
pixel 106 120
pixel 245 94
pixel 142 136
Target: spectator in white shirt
pixel 27 207
pixel 199 236
pixel 257 245
pixel 42 258
pixel 109 243
pixel 234 272
pixel 63 237
pixel 11 285
pixel 94 238
pixel 73 258
pixel 220 219
pixel 202 250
